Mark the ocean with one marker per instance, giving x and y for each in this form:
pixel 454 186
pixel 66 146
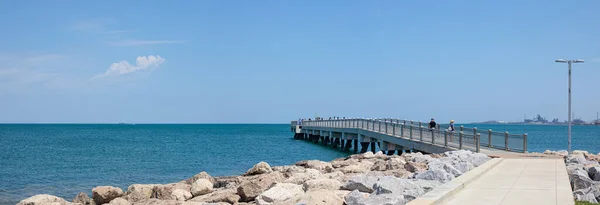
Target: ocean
pixel 65 159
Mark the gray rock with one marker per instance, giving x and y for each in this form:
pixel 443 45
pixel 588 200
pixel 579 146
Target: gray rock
pixel 585 195
pixel 104 194
pixel 255 185
pixel 477 159
pixel 315 184
pixel 415 167
pixel 580 180
pixel 201 186
pixel 84 199
pixel 445 166
pixel 138 192
pixel 575 159
pixel 319 197
pixel 361 182
pixel 428 185
pixel 384 199
pixel 435 174
pixel 224 195
pixel 170 191
pixel 594 173
pixel 354 197
pixel 395 163
pixel 324 167
pixel 201 175
pixel 380 165
pixel 463 166
pixel 343 163
pixel 259 168
pixel 279 193
pixel 43 199
pixel 397 186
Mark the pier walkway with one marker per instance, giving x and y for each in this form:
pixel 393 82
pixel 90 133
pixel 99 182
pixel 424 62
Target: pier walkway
pixel 391 135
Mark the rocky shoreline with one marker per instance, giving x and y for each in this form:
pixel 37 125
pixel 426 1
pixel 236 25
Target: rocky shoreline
pixel 359 179
pixel 583 169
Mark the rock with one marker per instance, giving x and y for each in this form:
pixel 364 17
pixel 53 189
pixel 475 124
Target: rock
pixel 594 173
pixel 427 185
pixel 397 186
pixel 43 199
pixel 436 174
pixel 301 177
pixel 288 170
pixel 329 184
pixel 344 163
pixel 575 159
pixel 279 193
pixel 104 194
pixel 366 155
pixel 324 167
pixel 362 167
pixel 169 191
pixel 337 175
pixel 380 165
pixel 415 167
pixel 361 182
pixel 395 163
pixel 181 195
pixel 400 173
pixel 138 192
pixel 83 199
pixel 463 166
pixel 224 195
pixel 582 152
pixel 477 159
pixel 259 168
pixel 227 182
pixel 445 166
pixel 153 201
pixel 592 157
pixel 119 201
pixel 201 175
pixel 253 186
pixel 355 197
pixel 201 186
pixel 418 157
pixel 380 155
pixel 580 180
pixel 319 197
pixel 436 155
pixel 562 152
pixel 585 195
pixel 572 167
pixel 384 199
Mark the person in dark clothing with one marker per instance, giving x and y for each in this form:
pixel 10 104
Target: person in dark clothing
pixel 432 124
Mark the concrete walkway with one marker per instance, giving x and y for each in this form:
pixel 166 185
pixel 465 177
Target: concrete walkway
pixel 517 181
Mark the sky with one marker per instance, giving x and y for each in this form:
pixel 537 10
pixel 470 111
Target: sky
pixel 275 61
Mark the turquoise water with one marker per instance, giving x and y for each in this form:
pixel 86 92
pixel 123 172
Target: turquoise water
pixel 64 159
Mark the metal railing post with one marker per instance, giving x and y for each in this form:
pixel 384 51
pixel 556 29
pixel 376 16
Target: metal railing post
pixel 474 132
pixel 393 128
pixel 460 139
pixel 477 136
pixel 525 143
pixel 420 132
pixel 402 130
pixel 411 131
pixel 506 140
pixel 445 138
pixel 461 128
pixel 432 136
pixel 490 138
pixel 373 127
pixel 386 127
pixel 379 125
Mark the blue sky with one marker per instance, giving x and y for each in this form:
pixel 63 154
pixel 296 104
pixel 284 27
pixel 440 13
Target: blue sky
pixel 274 61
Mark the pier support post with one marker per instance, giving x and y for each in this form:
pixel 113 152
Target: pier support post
pixel 373 147
pixel 348 145
pixel 364 146
pixel 355 143
pixel 342 140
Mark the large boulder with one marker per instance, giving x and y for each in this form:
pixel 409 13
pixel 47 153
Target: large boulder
pixel 580 180
pixel 223 195
pixel 173 191
pixel 315 184
pixel 201 186
pixel 324 167
pixel 301 177
pixel 361 182
pixel 478 159
pixel 415 167
pixel 288 170
pixel 355 197
pixel 319 197
pixel 594 173
pixel 585 195
pixel 83 199
pixel 342 163
pixel 418 157
pixel 361 167
pixel 138 192
pixel 154 201
pixel 445 166
pixel 575 159
pixel 463 166
pixel 397 186
pixel 43 199
pixel 119 201
pixel 201 175
pixel 383 199
pixel 435 174
pixel 253 186
pixel 279 193
pixel 395 163
pixel 227 182
pixel 104 194
pixel 259 168
pixel 379 165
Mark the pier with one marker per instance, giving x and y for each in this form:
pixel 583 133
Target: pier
pixel 396 136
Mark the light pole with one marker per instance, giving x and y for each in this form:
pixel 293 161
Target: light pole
pixel 569 62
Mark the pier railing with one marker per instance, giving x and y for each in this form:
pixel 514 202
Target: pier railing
pixel 462 138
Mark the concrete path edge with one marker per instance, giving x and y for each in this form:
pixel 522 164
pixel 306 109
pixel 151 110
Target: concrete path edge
pixel 447 190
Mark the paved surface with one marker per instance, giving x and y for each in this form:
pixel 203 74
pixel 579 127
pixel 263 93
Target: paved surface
pixel 517 181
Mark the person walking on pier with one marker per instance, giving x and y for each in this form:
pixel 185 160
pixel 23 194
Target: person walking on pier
pixel 451 129
pixel 432 125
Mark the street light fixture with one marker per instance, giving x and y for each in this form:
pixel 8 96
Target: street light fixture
pixel 569 62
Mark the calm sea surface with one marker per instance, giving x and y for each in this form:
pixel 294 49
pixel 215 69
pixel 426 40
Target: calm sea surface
pixel 64 159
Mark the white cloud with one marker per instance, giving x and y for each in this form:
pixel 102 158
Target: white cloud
pixel 141 63
pixel 141 42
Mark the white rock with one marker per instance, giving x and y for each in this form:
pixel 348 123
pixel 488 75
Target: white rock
pixel 104 194
pixel 329 184
pixel 201 186
pixel 43 199
pixel 259 168
pixel 119 201
pixel 279 193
